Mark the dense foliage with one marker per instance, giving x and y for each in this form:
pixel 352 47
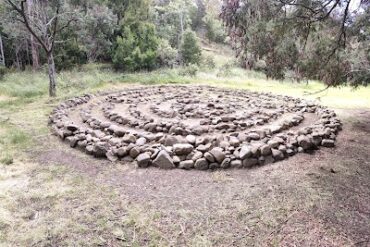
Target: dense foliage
pixel 190 50
pixel 303 39
pixel 327 40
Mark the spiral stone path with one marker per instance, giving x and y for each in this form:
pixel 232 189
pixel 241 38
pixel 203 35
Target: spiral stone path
pixel 190 127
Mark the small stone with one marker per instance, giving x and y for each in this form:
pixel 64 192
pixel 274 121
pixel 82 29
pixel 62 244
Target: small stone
pixel 121 152
pixel 328 143
pixel 182 149
pixel 304 142
pixel 134 152
pixel 236 164
pixel 290 152
pixel 176 159
pixel 250 162
pixel 201 164
pixel 191 139
pixel 129 138
pixel 214 166
pixel 245 152
pixel 253 136
pixel 141 141
pixel 277 154
pixel 187 164
pixel 72 127
pixel 225 163
pixel 265 150
pixel 194 155
pixel 209 157
pixel 164 160
pixel 111 156
pixel 100 149
pixel 218 154
pixel 234 141
pixel 143 160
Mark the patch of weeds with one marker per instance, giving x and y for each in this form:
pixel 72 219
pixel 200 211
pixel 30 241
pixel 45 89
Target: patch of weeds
pixel 7 160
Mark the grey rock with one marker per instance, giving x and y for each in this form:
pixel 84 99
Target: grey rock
pixel 141 141
pixel 129 138
pixel 236 164
pixel 218 154
pixel 328 143
pixel 111 156
pixel 201 164
pixel 304 142
pixel 163 160
pixel 277 154
pixel 265 150
pixel 249 162
pixel 182 149
pixel 225 163
pixel 191 139
pixel 209 157
pixel 245 152
pixel 253 136
pixel 143 160
pixel 134 152
pixel 187 164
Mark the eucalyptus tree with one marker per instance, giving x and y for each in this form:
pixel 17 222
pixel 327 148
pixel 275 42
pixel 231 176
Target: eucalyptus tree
pixel 50 18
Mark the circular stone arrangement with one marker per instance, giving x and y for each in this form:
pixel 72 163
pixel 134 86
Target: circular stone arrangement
pixel 197 127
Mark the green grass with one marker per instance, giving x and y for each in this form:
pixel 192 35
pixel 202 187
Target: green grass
pixel 25 87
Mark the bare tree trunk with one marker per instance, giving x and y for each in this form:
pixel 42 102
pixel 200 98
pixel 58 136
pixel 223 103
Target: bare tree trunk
pixel 51 72
pixel 2 56
pixel 34 49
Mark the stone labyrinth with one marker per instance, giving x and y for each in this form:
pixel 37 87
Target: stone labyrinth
pixel 190 127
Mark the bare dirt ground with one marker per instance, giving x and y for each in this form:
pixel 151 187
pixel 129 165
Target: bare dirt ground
pixel 66 198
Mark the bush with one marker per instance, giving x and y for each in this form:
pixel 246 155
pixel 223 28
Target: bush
pixel 2 71
pixel 137 48
pixel 166 54
pixel 209 62
pixel 190 49
pixel 189 70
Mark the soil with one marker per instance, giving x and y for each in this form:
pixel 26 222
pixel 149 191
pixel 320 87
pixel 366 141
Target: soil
pixel 319 199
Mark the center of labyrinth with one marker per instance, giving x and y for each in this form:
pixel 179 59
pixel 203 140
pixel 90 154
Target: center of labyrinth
pixel 193 126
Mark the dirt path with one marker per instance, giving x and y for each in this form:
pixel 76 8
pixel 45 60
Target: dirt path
pixel 320 199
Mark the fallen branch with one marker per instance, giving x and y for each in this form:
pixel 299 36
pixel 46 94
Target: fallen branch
pixel 317 92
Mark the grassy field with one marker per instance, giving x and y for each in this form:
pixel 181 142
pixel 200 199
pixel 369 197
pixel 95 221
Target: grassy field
pixel 51 196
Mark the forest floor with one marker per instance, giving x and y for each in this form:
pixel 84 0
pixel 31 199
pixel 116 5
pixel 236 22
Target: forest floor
pixel 52 195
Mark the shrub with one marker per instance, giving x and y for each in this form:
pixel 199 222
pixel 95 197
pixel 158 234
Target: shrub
pixel 190 49
pixel 209 62
pixel 189 70
pixel 166 54
pixel 137 48
pixel 2 71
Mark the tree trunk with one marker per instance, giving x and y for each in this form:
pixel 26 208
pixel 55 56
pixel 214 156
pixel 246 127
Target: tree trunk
pixel 2 56
pixel 51 72
pixel 34 50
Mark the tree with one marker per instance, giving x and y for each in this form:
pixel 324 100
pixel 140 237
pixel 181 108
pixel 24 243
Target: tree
pixel 34 49
pixel 137 47
pixel 44 27
pixel 260 30
pixel 190 49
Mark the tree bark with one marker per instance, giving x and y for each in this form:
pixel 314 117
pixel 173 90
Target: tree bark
pixel 2 56
pixel 51 73
pixel 34 49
